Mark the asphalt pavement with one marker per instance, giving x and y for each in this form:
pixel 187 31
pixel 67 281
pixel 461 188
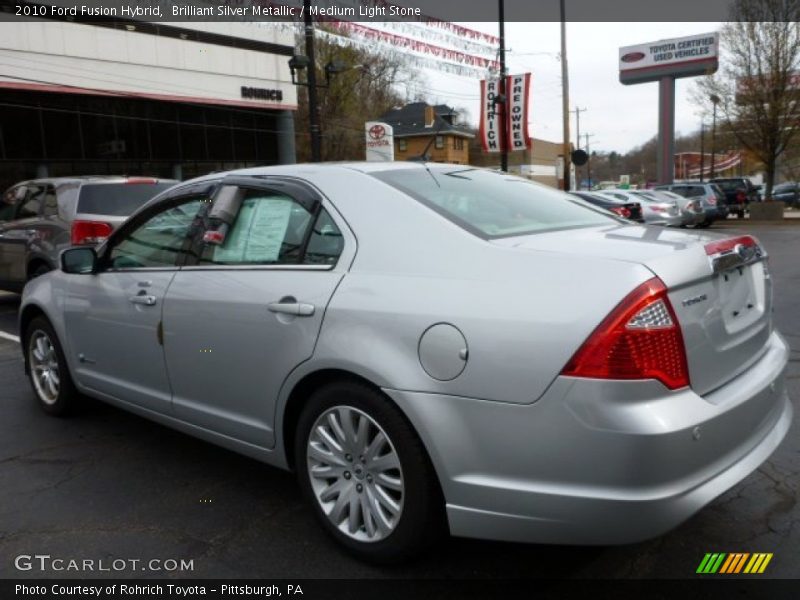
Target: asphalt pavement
pixel 109 485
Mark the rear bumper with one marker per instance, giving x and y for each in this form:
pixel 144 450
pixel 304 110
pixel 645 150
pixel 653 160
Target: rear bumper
pixel 597 462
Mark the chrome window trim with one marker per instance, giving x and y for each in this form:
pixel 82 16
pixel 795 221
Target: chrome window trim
pixel 261 267
pixel 138 269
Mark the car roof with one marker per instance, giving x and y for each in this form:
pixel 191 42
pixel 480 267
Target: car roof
pixel 92 179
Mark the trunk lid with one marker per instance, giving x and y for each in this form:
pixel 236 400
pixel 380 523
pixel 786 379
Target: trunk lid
pixel 722 297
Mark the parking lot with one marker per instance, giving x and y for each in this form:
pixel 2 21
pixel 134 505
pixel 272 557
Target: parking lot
pixel 109 485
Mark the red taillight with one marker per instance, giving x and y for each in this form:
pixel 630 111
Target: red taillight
pixel 712 200
pixel 728 245
pixel 89 232
pixel 658 209
pixel 141 180
pixel 621 211
pixel 741 196
pixel 639 339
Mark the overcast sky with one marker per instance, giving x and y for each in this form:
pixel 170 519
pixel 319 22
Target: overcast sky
pixel 620 117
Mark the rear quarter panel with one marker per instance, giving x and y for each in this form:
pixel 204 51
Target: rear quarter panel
pixel 523 313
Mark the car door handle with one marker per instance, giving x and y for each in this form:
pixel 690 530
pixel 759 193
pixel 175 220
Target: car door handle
pixel 145 299
pixel 298 309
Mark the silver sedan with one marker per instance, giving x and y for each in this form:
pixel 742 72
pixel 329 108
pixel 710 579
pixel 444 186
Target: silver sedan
pixel 431 348
pixel 654 211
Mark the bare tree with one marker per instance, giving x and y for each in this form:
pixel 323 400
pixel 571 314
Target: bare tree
pixel 368 87
pixel 757 86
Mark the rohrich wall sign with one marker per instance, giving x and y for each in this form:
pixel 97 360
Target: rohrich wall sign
pixel 254 93
pixel 664 61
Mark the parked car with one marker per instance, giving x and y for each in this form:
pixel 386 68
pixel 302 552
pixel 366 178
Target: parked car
pixel 691 210
pixel 429 347
pixel 654 212
pixel 39 218
pixel 628 210
pixel 710 196
pixel 788 192
pixel 738 192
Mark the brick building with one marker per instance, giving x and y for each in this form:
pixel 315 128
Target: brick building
pixel 419 125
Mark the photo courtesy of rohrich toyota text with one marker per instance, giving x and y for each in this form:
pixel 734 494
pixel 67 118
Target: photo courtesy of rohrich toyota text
pixel 399 299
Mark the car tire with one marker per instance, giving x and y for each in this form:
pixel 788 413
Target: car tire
pixel 38 271
pixel 740 213
pixel 47 370
pixel 380 513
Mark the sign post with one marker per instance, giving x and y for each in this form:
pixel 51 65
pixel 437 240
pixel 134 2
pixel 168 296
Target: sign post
pixel 664 61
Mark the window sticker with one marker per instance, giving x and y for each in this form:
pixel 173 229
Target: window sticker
pixel 258 233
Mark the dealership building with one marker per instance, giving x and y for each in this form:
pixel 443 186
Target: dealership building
pixel 167 100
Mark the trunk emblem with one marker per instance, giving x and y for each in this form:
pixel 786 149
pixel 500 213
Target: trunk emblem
pixel 746 253
pixel 694 300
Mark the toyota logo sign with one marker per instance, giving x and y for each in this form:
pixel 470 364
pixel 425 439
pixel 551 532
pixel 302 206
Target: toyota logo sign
pixel 632 57
pixel 376 132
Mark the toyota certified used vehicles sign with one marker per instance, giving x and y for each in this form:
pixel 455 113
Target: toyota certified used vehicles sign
pixel 677 57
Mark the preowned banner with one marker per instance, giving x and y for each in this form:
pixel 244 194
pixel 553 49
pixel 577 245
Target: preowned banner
pixel 517 92
pixel 505 123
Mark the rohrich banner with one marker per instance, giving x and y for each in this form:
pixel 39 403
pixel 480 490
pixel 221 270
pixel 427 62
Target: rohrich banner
pixel 504 124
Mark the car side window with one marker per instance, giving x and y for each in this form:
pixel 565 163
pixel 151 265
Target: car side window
pixel 270 229
pixel 326 242
pixel 50 202
pixel 9 202
pixel 159 241
pixel 31 206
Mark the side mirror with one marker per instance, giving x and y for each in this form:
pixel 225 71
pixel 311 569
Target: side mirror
pixel 79 261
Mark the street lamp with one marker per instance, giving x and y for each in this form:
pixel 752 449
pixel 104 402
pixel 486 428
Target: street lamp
pixel 714 100
pixel 298 63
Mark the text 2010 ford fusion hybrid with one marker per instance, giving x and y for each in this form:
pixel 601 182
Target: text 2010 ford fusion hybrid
pixel 431 348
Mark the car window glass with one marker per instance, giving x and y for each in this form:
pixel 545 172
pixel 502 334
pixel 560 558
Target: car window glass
pixel 7 204
pixel 270 229
pixel 693 191
pixel 326 242
pixel 50 203
pixel 489 204
pixel 159 240
pixel 32 205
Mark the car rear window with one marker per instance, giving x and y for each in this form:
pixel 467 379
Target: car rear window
pixel 730 184
pixel 490 204
pixel 117 199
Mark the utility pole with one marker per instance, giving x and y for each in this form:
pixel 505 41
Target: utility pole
pixel 702 148
pixel 586 136
pixel 714 101
pixel 565 96
pixel 577 112
pixel 503 133
pixel 313 110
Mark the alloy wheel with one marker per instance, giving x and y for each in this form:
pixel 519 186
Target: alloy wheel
pixel 355 474
pixel 44 367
